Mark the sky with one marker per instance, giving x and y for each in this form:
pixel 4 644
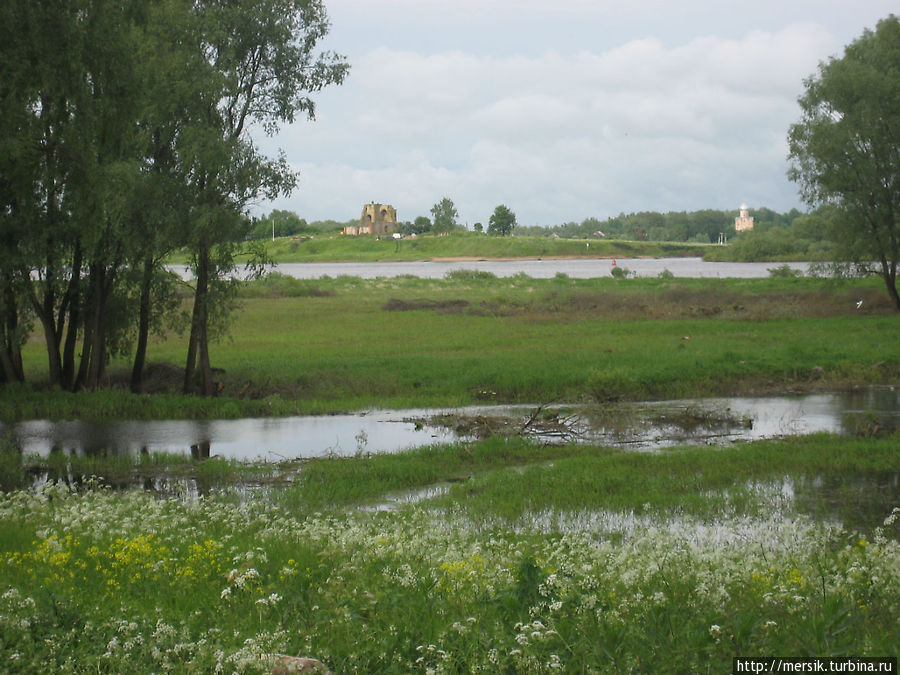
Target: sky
pixel 561 109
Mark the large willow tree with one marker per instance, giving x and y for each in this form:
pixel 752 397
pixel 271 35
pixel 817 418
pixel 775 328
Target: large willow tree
pixel 845 150
pixel 263 53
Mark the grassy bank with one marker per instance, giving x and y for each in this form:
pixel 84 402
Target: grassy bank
pixel 347 344
pixel 564 567
pixel 328 248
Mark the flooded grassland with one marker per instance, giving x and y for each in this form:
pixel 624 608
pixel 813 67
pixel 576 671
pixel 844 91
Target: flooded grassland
pixel 526 544
pixel 535 558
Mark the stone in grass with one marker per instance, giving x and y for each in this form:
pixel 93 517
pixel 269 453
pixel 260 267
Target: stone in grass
pixel 282 664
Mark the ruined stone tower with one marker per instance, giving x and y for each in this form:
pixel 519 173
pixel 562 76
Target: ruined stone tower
pixel 375 219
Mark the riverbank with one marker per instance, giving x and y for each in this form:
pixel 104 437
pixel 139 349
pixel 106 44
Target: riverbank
pixel 335 345
pixel 464 246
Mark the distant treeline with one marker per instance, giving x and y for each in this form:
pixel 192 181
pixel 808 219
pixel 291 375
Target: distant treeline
pixel 280 223
pixel 707 226
pixel 775 236
pixel 791 235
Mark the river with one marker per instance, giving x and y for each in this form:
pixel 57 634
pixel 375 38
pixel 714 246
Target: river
pixel 581 268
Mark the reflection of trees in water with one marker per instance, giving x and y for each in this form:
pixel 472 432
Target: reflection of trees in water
pixel 859 501
pixel 200 450
pixel 66 465
pixel 59 469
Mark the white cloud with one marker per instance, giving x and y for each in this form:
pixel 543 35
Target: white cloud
pixel 557 132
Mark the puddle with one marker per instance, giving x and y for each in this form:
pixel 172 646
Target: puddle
pixel 392 501
pixel 857 502
pixel 642 426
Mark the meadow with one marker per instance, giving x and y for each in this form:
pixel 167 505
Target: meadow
pixel 499 555
pixel 345 344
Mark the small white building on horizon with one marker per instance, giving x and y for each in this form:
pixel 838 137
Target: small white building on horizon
pixel 744 222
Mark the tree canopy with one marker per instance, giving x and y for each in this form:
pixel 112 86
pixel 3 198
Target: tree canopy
pixel 125 134
pixel 502 221
pixel 845 150
pixel 444 216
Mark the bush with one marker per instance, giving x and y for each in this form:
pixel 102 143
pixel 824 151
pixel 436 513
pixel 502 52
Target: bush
pixel 277 284
pixel 469 275
pixel 784 272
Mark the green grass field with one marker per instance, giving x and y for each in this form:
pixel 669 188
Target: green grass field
pixel 348 344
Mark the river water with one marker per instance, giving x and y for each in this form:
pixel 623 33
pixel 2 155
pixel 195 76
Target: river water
pixel 638 426
pixel 583 268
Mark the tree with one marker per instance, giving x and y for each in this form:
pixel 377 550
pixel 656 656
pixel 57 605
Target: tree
pixel 125 133
pixel 279 223
pixel 845 150
pixel 162 197
pixel 444 216
pixel 70 92
pixel 263 55
pixel 502 221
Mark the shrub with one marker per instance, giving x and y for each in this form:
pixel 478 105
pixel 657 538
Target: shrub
pixel 469 275
pixel 784 271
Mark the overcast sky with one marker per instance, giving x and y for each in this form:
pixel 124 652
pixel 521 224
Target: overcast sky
pixel 562 109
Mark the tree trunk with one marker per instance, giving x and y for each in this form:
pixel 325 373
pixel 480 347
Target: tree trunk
pixel 73 321
pixel 10 353
pixel 140 354
pixel 198 345
pixel 207 387
pixel 44 310
pixel 10 370
pixel 889 272
pixel 93 352
pixel 190 366
pixel 87 344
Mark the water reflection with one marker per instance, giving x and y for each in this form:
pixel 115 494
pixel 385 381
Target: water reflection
pixel 246 439
pixel 640 426
pixel 857 500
